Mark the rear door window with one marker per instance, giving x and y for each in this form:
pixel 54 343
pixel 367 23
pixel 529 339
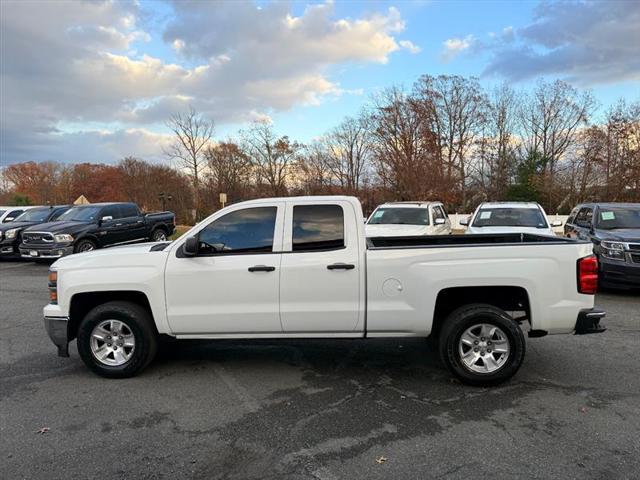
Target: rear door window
pixel 317 227
pixel 129 210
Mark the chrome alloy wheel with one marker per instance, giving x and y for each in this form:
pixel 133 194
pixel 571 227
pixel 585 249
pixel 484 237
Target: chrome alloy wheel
pixel 112 343
pixel 483 348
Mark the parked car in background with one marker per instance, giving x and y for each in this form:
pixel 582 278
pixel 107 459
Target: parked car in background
pixel 10 233
pixel 87 227
pixel 399 219
pixel 9 214
pixel 614 229
pixel 302 267
pixel 510 217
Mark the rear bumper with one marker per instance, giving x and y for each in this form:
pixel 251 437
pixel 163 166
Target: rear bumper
pixel 57 329
pixel 53 251
pixel 619 274
pixel 589 321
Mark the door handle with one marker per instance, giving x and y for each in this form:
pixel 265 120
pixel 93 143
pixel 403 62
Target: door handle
pixel 118 224
pixel 261 268
pixel 341 266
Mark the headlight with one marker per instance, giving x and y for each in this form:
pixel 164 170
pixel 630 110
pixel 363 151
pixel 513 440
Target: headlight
pixel 63 238
pixel 11 233
pixel 613 250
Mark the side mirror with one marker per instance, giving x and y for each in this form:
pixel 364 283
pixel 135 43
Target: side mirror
pixel 190 246
pixel 464 221
pixel 107 218
pixel 556 223
pixel 8 219
pixel 439 221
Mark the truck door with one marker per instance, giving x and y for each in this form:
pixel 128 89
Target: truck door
pixel 231 286
pixel 133 225
pixel 321 278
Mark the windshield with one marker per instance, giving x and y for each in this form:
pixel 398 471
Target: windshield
pixel 400 216
pixel 80 214
pixel 613 218
pixel 1 212
pixel 34 215
pixel 510 217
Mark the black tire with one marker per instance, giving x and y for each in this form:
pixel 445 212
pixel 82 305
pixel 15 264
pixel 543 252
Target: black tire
pixel 466 317
pixel 159 235
pixel 85 245
pixel 137 320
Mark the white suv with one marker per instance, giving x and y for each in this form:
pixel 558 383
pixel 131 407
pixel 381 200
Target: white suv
pixel 510 217
pixel 399 219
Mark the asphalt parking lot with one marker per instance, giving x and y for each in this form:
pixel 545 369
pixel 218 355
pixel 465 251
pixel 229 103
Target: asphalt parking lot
pixel 315 409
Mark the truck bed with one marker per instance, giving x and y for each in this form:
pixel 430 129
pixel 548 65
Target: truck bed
pixel 426 241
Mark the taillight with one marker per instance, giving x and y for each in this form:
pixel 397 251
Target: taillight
pixel 588 275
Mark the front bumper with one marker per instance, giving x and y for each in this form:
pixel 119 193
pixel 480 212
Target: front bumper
pixel 50 251
pixel 619 274
pixel 57 329
pixel 589 321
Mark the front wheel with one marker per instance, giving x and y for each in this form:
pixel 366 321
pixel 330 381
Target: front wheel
pixel 481 345
pixel 85 245
pixel 117 340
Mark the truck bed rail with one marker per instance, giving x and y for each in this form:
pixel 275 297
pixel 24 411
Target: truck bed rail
pixel 491 239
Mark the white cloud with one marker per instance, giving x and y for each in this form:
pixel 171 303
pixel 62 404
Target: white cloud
pixel 453 47
pixel 78 62
pixel 410 46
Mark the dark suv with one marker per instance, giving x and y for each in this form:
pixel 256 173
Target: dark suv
pixel 614 229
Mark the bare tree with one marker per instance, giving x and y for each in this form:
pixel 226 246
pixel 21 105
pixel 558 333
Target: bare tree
pixel 272 157
pixel 349 148
pixel 496 144
pixel 403 147
pixel 192 133
pixel 455 108
pixel 550 118
pixel 314 172
pixel 229 169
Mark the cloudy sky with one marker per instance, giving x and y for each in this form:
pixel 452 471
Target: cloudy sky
pixel 96 80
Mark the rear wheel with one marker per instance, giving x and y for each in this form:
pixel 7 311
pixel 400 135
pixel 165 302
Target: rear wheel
pixel 481 345
pixel 158 235
pixel 117 340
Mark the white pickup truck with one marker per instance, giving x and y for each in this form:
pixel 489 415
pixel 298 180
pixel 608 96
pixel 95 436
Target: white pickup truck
pixel 302 267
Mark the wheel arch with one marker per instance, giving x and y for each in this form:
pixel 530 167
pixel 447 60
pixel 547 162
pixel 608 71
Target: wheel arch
pixel 506 297
pixel 87 236
pixel 82 303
